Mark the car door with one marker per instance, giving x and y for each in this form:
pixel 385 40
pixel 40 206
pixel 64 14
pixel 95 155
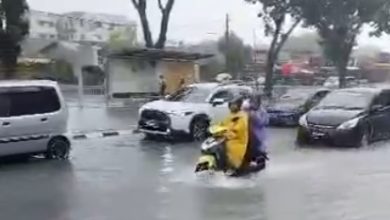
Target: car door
pixel 5 107
pixel 219 112
pixel 378 117
pixel 385 114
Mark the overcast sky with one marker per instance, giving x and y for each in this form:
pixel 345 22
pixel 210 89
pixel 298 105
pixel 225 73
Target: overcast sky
pixel 191 21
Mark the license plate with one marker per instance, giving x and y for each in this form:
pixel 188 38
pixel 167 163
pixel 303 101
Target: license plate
pixel 317 134
pixel 152 124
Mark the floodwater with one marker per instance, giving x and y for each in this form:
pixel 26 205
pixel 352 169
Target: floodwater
pixel 128 178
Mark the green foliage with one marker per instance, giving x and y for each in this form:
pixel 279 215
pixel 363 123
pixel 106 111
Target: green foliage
pixel 280 17
pixel 123 39
pixel 63 72
pixel 14 26
pixel 339 22
pixel 236 52
pixel 302 43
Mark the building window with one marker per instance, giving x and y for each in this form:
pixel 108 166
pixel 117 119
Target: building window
pixel 112 26
pixel 52 36
pixel 98 24
pixel 41 23
pixel 81 23
pixel 98 37
pixel 43 36
pixel 82 37
pixel 51 24
pixel 71 23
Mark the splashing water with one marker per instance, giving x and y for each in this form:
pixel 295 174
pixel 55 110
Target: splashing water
pixel 213 180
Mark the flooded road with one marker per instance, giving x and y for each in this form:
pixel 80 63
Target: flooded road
pixel 127 178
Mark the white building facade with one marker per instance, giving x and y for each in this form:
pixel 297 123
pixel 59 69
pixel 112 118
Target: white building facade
pixel 43 25
pixel 76 26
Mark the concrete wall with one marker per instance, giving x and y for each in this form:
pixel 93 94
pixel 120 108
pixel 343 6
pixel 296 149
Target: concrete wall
pixel 126 76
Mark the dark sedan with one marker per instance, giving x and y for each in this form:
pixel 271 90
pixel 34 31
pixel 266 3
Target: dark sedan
pixel 293 104
pixel 348 117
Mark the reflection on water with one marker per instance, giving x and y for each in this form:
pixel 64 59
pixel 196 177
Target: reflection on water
pixel 124 178
pixel 25 193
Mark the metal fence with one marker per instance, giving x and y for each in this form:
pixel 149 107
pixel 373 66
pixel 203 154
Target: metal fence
pixel 88 90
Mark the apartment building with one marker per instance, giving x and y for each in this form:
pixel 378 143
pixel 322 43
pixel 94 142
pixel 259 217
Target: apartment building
pixel 76 26
pixel 43 25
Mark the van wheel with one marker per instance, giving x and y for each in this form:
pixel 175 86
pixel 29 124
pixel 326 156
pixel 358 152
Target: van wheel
pixel 199 129
pixel 58 149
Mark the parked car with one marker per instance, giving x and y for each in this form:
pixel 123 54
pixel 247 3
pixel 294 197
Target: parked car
pixel 33 119
pixel 189 111
pixel 333 82
pixel 293 104
pixel 348 117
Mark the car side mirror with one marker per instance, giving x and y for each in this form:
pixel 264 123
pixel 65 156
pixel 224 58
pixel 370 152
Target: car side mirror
pixel 375 108
pixel 217 102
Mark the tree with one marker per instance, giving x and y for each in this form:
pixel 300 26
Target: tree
pixel 141 6
pixel 13 28
pixel 122 39
pixel 302 43
pixel 339 22
pixel 276 15
pixel 237 54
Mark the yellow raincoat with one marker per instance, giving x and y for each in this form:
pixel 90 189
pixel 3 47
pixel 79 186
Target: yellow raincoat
pixel 237 138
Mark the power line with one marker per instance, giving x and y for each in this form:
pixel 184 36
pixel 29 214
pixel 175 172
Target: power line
pixel 193 25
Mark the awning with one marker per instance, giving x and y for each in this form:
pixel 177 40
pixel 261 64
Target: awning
pixel 159 54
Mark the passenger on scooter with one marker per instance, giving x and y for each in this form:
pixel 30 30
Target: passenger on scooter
pixel 258 120
pixel 236 135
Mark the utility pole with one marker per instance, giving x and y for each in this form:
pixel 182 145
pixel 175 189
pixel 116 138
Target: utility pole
pixel 227 39
pixel 254 38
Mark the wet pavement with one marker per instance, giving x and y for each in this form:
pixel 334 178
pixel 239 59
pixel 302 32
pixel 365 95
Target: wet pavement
pixel 128 178
pixel 96 115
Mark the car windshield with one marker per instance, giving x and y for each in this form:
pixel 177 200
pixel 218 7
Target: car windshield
pixel 295 96
pixel 351 100
pixel 190 94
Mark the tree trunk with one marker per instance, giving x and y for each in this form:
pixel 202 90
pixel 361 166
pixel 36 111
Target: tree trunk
pixel 269 75
pixel 342 71
pixel 342 64
pixel 163 31
pixel 146 29
pixel 271 59
pixel 166 12
pixel 140 6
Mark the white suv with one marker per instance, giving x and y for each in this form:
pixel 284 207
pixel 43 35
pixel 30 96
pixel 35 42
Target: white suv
pixel 189 111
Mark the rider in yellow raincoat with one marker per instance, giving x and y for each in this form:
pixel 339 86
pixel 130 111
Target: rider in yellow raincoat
pixel 237 135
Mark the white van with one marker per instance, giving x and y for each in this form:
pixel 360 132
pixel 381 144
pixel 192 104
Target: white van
pixel 33 119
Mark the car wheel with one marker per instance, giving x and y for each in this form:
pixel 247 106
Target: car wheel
pixel 199 129
pixel 150 137
pixel 364 140
pixel 58 149
pixel 303 138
